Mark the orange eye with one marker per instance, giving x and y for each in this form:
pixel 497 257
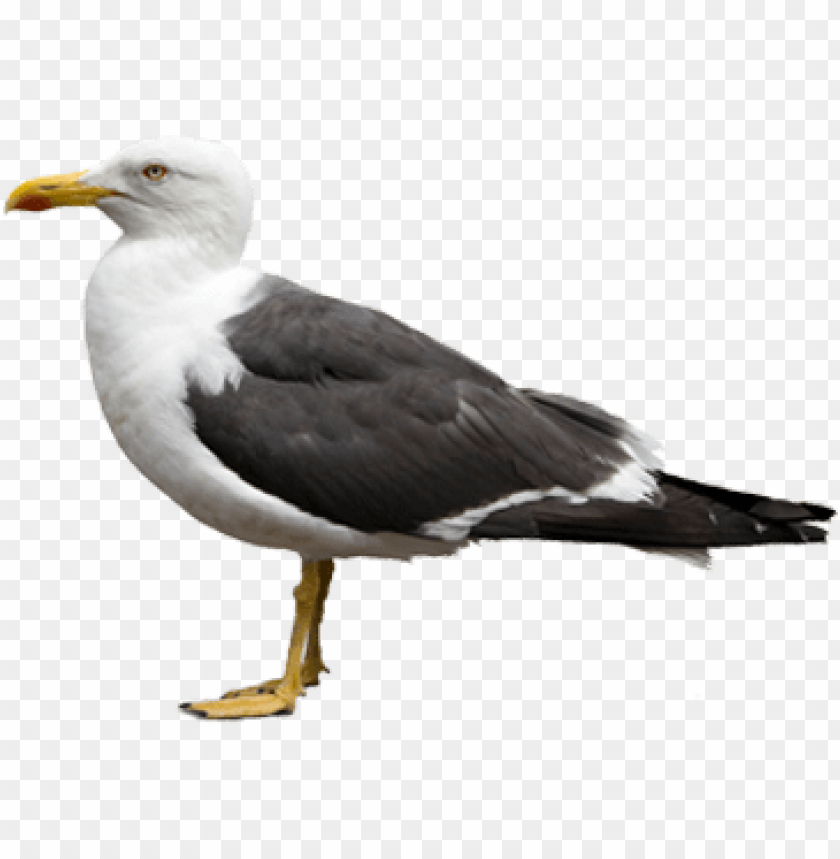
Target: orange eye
pixel 155 172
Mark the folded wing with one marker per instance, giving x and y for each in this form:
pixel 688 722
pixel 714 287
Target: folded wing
pixel 358 419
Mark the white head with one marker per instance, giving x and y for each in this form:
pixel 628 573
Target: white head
pixel 191 190
pixel 179 190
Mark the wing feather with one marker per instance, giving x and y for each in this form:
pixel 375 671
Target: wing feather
pixel 356 418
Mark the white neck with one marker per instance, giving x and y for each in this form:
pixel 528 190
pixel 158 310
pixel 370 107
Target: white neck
pixel 151 272
pixel 150 297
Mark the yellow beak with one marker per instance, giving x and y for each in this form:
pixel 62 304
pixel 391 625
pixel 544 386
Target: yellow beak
pixel 37 195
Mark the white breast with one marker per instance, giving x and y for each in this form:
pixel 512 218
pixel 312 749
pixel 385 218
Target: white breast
pixel 146 343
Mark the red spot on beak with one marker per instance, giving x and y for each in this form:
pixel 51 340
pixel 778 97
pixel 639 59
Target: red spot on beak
pixel 33 203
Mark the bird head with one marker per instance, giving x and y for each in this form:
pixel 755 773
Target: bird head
pixel 182 189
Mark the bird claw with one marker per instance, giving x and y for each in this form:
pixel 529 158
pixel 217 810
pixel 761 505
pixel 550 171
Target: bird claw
pixel 279 703
pixel 310 671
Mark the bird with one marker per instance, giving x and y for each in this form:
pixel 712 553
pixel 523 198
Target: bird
pixel 289 419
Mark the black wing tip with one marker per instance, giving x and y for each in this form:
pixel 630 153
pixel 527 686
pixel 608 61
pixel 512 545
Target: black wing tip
pixel 777 510
pixel 809 533
pixel 819 512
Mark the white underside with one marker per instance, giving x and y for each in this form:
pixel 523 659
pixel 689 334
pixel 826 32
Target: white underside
pixel 147 338
pixel 139 354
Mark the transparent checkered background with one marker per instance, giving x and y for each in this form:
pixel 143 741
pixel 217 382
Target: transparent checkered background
pixel 634 204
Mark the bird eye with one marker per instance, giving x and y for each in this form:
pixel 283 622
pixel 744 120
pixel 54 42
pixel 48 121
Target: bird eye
pixel 155 172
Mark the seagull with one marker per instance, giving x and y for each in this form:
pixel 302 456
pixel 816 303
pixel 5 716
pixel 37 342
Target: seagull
pixel 292 420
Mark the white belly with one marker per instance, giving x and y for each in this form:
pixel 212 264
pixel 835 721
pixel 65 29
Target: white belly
pixel 142 358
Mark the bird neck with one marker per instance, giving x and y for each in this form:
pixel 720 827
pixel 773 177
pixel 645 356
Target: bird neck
pixel 152 272
pixel 163 310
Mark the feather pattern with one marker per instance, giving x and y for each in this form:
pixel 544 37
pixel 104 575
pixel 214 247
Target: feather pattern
pixel 354 417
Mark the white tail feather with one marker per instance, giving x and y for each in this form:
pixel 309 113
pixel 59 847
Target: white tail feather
pixel 696 557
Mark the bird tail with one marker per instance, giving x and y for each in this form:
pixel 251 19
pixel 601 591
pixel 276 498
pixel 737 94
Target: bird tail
pixel 686 520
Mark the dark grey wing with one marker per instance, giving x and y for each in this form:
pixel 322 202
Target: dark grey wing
pixel 356 418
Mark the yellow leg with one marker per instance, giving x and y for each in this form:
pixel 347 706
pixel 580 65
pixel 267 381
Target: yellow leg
pixel 276 696
pixel 312 663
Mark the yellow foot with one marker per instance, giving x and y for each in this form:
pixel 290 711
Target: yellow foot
pixel 268 699
pixel 310 670
pixel 267 688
